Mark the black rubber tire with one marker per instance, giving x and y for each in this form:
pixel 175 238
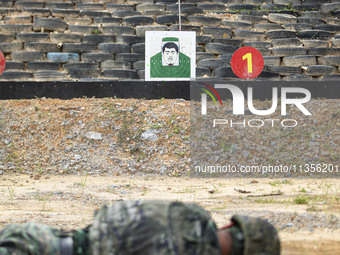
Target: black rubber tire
pixel 217 32
pixel 90 6
pixel 139 65
pixel 111 64
pixel 125 13
pixel 11 47
pixel 211 63
pixel 119 7
pixel 336 42
pixel 306 7
pixel 311 21
pixel 150 6
pixel 227 41
pixel 320 51
pixel 273 7
pixel 138 21
pixel 320 70
pixel 203 72
pixel 299 61
pixel 37 12
pixel 62 57
pixel 204 21
pixel 26 56
pixel 94 14
pixel 237 24
pixel 130 39
pixel 87 66
pixel 298 26
pixel 314 15
pixel 285 70
pixel 43 65
pixel 203 39
pixel 265 75
pixel 9 37
pixel 314 34
pixel 315 44
pixel 174 7
pixel 106 20
pixel 48 76
pixel 225 72
pixel 140 30
pixel 61 13
pixel 138 48
pixel 329 60
pixel 59 5
pixel 18 20
pixel 83 73
pixel 252 19
pixel 64 38
pixel 191 11
pixel 330 7
pixel 83 29
pixel 287 2
pixel 96 57
pixel 281 18
pixel 129 57
pixel 329 28
pixel 42 47
pixel 329 77
pixel 78 47
pixel 114 48
pixel 279 34
pixel 212 7
pixel 169 19
pixel 16 75
pixel 28 4
pixel 257 44
pixel 96 39
pixel 288 51
pixel 249 35
pixel 12 65
pixel 264 27
pixel 9 28
pixel 286 42
pixel 204 55
pixel 120 74
pixel 175 27
pixel 239 7
pixel 50 24
pixel 271 61
pixel 219 48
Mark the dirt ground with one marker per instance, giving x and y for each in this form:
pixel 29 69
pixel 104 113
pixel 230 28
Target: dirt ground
pixel 68 201
pixel 60 160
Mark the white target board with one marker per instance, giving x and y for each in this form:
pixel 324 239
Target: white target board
pixel 170 55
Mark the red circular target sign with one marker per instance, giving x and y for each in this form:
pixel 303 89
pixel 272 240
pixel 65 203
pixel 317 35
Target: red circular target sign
pixel 247 63
pixel 2 62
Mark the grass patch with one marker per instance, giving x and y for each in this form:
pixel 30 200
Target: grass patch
pixel 301 200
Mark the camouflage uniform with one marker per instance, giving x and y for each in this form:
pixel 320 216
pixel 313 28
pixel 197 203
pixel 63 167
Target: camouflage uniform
pixel 153 228
pixel 145 228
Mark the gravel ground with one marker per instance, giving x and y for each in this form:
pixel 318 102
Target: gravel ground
pixel 94 136
pixel 146 142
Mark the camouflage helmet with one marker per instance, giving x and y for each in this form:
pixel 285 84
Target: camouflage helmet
pixel 260 237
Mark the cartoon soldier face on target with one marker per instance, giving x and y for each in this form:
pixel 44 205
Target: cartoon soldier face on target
pixel 170 52
pixel 170 62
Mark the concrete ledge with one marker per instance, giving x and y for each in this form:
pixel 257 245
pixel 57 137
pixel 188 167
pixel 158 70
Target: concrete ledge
pixel 150 90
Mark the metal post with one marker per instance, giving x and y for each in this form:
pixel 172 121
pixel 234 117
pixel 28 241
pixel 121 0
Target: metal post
pixel 179 15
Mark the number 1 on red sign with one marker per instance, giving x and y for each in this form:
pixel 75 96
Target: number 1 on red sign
pixel 248 56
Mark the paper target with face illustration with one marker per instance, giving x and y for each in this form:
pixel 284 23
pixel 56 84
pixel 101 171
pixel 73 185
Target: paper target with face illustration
pixel 170 55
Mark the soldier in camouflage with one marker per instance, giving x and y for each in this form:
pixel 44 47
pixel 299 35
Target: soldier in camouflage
pixel 145 228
